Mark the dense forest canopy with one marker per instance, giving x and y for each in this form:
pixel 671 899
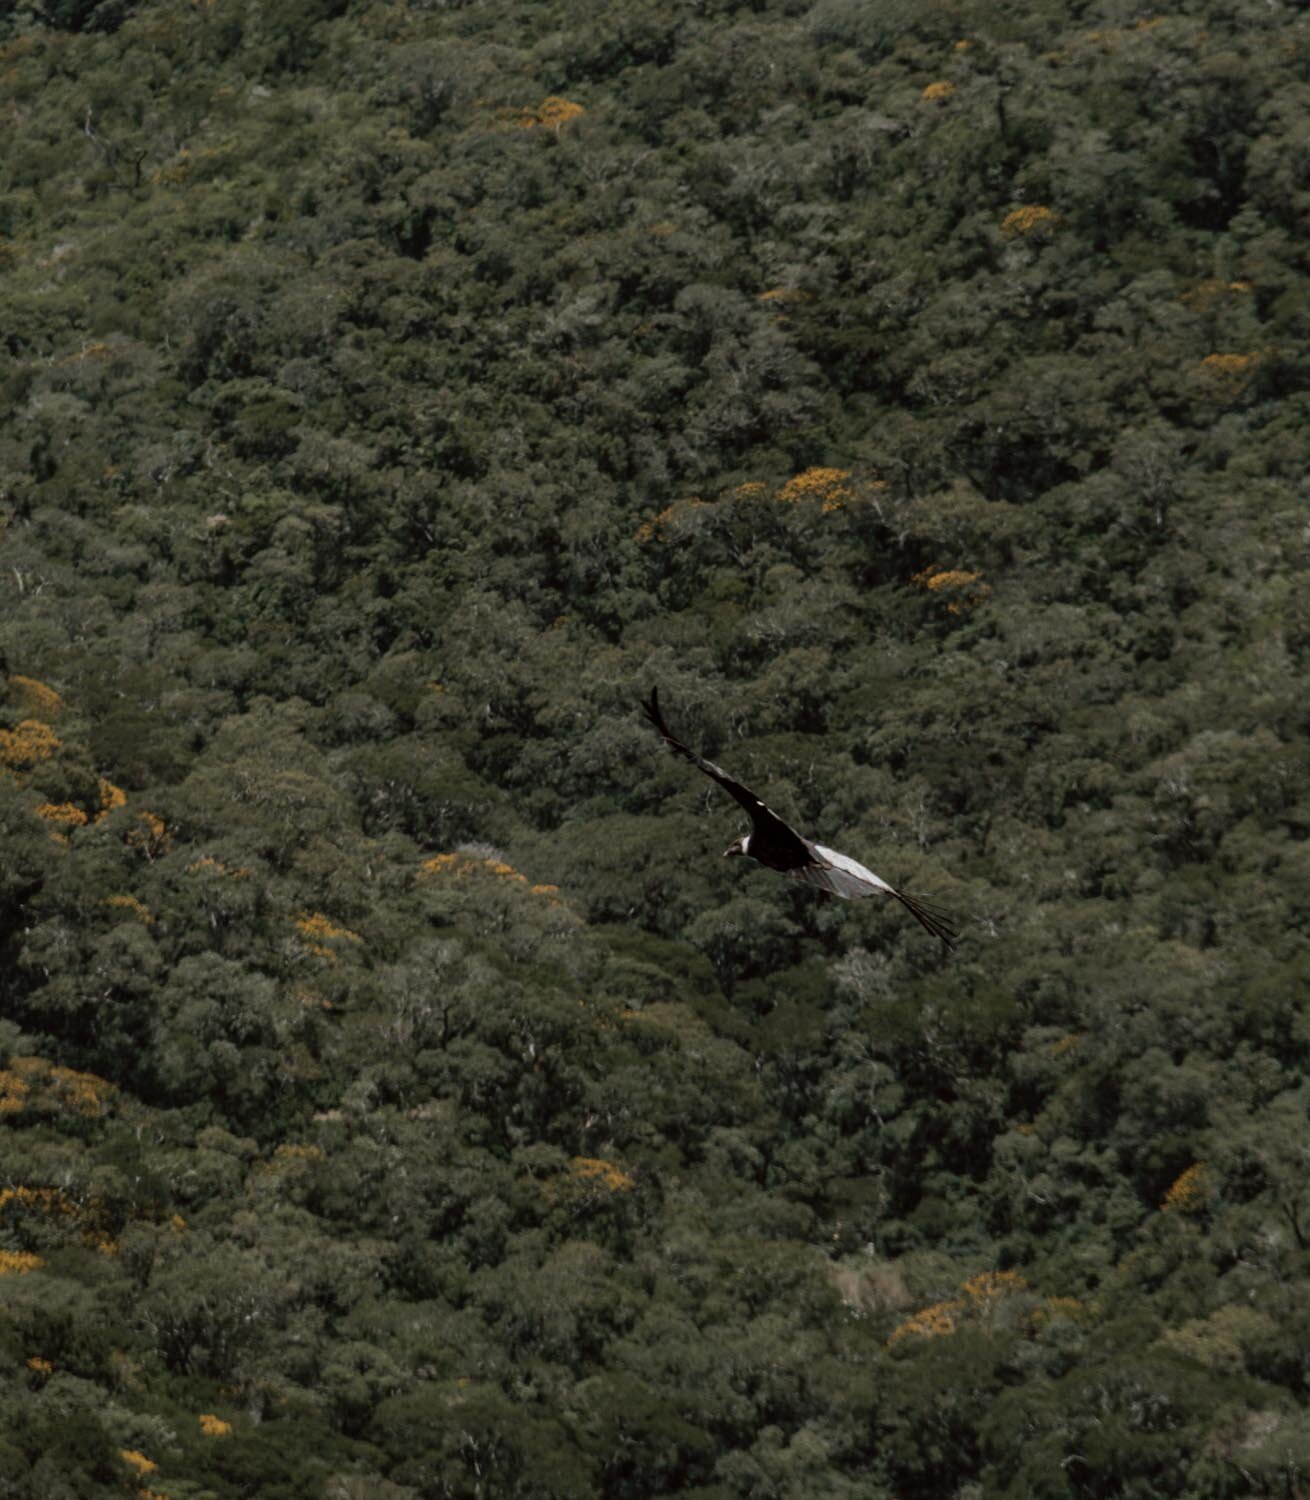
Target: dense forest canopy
pixel 402 1098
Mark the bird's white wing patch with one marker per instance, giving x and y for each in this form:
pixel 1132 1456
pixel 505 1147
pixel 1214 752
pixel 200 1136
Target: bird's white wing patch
pixel 841 875
pixel 849 866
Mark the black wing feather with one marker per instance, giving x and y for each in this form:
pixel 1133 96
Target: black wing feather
pixel 764 821
pixel 931 917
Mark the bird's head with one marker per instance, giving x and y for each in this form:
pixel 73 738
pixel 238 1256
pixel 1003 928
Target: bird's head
pixel 737 847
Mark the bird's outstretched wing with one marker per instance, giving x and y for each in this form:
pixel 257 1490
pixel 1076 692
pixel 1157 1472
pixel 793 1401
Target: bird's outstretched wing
pixel 780 847
pixel 844 876
pixel 766 825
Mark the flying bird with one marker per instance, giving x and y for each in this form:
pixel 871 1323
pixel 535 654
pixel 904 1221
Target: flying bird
pixel 781 848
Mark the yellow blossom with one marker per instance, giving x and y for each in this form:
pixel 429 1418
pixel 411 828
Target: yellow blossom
pixel 22 748
pixel 213 1426
pixel 467 864
pixel 1231 364
pixel 950 578
pixel 553 113
pixel 1226 377
pixel 54 1203
pixel 130 904
pixel 784 294
pixel 936 92
pixel 139 1461
pixel 319 930
pixel 1189 1192
pixel 982 1294
pixel 33 1082
pixel 17 1262
pixel 40 701
pixel 150 835
pixel 669 520
pixel 67 813
pixel 44 1200
pixel 957 584
pixel 13 1092
pixel 990 1286
pixel 293 1152
pixel 932 1322
pixel 596 1172
pixel 1199 297
pixel 829 486
pixel 1029 219
pixel 111 796
pixel 1070 1309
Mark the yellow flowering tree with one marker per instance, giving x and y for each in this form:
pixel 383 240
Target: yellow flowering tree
pixel 27 746
pixel 1227 378
pixel 31 1084
pixel 988 1300
pixel 323 937
pixel 18 1262
pixel 34 756
pixel 1189 1193
pixel 1029 221
pixel 960 589
pixel 554 113
pixel 822 487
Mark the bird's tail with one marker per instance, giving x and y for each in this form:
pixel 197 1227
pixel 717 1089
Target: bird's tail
pixel 932 917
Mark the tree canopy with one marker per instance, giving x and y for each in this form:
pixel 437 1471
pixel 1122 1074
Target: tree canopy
pixel 400 1096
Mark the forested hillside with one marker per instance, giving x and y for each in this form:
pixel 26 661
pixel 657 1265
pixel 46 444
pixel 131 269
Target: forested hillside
pixel 402 1097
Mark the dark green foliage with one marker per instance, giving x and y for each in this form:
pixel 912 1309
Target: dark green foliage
pixel 401 1095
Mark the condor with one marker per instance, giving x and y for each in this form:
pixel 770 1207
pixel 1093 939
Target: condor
pixel 781 848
